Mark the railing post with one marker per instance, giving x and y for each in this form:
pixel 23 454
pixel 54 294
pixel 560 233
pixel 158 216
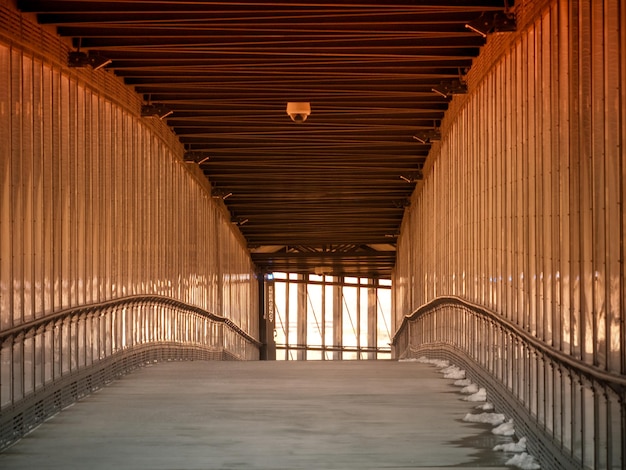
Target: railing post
pixel 301 320
pixel 267 321
pixel 337 321
pixel 372 319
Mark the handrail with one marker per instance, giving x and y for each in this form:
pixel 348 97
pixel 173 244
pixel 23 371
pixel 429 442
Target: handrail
pixel 24 328
pixel 616 381
pixel 333 348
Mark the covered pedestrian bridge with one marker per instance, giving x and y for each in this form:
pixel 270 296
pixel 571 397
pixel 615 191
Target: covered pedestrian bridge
pixel 205 180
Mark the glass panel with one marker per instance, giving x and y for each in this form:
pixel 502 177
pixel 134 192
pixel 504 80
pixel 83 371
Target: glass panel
pixel 616 438
pixel 6 217
pixel 588 427
pixel 383 327
pixel 350 314
pixel 49 354
pixel 66 346
pixel 39 360
pixel 6 374
pixel 328 317
pixel 18 370
pixel 363 318
pixel 29 365
pixel 81 351
pixel 315 325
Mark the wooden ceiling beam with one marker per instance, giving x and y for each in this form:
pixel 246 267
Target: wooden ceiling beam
pixel 227 70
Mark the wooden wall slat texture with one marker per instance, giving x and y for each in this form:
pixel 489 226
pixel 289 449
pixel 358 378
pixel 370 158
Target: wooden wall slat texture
pixel 96 204
pixel 522 211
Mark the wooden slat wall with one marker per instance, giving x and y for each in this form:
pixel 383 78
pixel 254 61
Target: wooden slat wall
pixel 95 205
pixel 522 211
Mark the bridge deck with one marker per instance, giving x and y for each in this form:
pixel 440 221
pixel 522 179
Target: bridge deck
pixel 265 415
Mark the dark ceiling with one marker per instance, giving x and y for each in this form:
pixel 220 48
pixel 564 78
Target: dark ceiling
pixel 326 195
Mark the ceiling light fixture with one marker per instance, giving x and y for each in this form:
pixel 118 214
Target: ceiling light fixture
pixel 493 22
pixel 239 221
pixel 451 87
pixel 298 111
pixel 401 204
pixel 81 59
pixel 220 194
pixel 159 110
pixel 427 136
pixel 413 177
pixel 196 157
pixel 322 270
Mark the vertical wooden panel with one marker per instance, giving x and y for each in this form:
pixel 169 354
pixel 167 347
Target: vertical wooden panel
pixel 38 250
pixel 517 161
pixel 17 193
pixel 529 127
pixel 64 223
pixel 614 138
pixel 95 204
pixel 555 307
pixel 621 149
pixel 585 183
pixel 92 205
pixel 546 179
pixel 27 180
pixel 6 226
pixel 598 158
pixel 566 274
pixel 70 153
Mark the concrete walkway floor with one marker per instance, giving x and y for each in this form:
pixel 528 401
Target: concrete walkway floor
pixel 265 415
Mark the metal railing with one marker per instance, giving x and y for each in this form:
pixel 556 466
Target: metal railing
pixel 49 363
pixel 575 411
pixel 335 348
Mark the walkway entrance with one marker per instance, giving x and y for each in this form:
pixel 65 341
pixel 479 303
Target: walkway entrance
pixel 322 317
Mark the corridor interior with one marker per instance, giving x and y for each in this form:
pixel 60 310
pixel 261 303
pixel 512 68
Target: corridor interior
pixel 231 230
pixel 268 415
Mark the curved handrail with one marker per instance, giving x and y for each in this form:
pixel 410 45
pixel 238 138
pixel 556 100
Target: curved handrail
pixel 614 380
pixel 24 328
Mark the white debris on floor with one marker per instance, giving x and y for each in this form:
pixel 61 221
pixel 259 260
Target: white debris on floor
pixel 462 383
pixel 480 395
pixel 502 426
pixel 524 461
pixel 485 407
pixel 505 429
pixel 488 418
pixel 519 446
pixel 471 388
